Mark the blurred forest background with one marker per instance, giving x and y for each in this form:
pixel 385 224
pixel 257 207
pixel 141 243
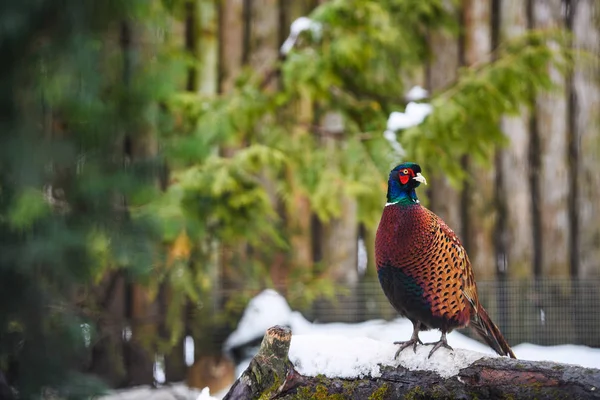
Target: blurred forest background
pixel 161 162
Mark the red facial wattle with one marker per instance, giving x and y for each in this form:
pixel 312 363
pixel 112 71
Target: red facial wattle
pixel 405 175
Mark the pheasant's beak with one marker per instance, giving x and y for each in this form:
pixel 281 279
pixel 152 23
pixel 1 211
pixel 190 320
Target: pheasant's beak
pixel 420 178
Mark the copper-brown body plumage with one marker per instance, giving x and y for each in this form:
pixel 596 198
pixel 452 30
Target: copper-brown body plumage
pixel 424 270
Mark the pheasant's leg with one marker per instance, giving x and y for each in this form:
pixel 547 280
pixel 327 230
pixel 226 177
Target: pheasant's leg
pixel 414 340
pixel 441 343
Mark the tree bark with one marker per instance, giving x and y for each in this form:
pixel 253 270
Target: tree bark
pixel 340 234
pixel 299 212
pixel 269 370
pixel 208 38
pixel 139 145
pixel 551 122
pixel 515 163
pixel 270 375
pixel 442 71
pixel 231 40
pixel 478 213
pixel 264 36
pixel 585 146
pixel 584 149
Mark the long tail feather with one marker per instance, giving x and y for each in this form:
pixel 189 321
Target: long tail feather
pixel 489 332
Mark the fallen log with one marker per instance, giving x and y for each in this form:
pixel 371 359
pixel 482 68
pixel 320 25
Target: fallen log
pixel 271 375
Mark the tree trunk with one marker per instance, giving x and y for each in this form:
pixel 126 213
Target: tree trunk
pixel 264 36
pixel 513 235
pixel 140 145
pixel 107 353
pixel 270 375
pixel 340 234
pixel 584 149
pixel 231 38
pixel 444 199
pixel 299 214
pixel 208 57
pixel 217 65
pixel 514 163
pixel 551 118
pixel 478 192
pixel 585 141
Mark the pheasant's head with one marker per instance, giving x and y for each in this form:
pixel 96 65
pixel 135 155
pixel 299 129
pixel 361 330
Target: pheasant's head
pixel 403 181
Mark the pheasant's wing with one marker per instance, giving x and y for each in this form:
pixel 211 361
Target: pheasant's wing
pixel 479 318
pixel 451 282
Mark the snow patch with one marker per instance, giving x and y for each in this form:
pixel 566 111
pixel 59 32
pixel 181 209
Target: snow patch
pixel 339 356
pixel 205 395
pixel 159 370
pixel 188 351
pixel 362 257
pixel 265 310
pixel 445 362
pixel 416 93
pixel 566 353
pixel 358 357
pixel 414 114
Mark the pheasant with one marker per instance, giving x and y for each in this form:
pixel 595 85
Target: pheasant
pixel 424 270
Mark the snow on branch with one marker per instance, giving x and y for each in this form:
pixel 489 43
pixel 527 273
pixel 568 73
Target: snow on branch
pixel 298 26
pixel 414 114
pixel 332 369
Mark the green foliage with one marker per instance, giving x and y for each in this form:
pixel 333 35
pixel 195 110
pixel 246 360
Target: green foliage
pixel 356 65
pixel 27 208
pixel 65 184
pixel 226 195
pixel 466 116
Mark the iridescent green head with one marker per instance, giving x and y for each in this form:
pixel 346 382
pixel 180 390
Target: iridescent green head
pixel 403 181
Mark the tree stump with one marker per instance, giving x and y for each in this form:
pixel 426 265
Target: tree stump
pixel 271 375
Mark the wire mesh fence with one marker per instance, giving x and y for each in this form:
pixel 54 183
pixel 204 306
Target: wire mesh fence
pixel 545 312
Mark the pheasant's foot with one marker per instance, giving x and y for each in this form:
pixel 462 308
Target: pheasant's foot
pixel 413 341
pixel 440 343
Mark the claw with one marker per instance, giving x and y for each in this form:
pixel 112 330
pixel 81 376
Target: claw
pixel 440 343
pixel 414 340
pixel 403 345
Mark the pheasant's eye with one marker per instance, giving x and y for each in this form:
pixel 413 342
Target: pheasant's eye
pixel 405 172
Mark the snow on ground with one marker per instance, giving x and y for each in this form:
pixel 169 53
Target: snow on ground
pixel 355 350
pixel 265 310
pixel 565 353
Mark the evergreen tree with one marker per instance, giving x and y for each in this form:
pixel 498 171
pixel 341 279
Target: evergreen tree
pixel 72 102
